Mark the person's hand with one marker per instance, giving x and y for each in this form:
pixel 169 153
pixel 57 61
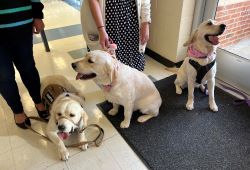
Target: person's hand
pixel 103 38
pixel 38 26
pixel 144 37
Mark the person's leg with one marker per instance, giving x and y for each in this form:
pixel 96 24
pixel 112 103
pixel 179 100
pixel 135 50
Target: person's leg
pixel 25 64
pixel 8 86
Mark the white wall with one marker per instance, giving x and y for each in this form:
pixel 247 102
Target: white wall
pixel 185 27
pixel 170 27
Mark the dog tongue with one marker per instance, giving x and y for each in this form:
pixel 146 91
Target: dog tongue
pixel 214 40
pixel 78 76
pixel 63 135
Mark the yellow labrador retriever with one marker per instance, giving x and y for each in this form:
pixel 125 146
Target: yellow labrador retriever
pixel 67 114
pixel 122 85
pixel 199 68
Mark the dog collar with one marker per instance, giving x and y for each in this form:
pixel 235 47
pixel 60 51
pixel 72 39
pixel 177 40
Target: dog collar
pixel 107 88
pixel 195 53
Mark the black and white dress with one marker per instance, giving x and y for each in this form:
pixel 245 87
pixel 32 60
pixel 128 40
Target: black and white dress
pixel 123 28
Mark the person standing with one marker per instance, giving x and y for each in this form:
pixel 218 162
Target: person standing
pixel 124 22
pixel 19 19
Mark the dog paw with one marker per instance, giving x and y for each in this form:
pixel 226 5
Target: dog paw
pixel 124 124
pixel 144 118
pixel 178 91
pixel 63 154
pixel 190 105
pixel 113 112
pixel 213 107
pixel 141 119
pixel 84 147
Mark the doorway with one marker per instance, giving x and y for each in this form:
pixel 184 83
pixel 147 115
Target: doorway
pixel 233 54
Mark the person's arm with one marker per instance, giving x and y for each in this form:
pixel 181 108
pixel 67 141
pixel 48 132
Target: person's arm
pixel 37 15
pixel 145 20
pixel 97 15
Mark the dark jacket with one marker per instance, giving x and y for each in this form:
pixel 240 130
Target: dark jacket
pixel 14 13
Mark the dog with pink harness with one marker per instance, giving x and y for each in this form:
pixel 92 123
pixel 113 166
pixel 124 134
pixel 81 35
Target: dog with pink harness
pixel 199 68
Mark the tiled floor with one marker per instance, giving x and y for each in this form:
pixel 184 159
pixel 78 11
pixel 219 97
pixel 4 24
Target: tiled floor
pixel 23 149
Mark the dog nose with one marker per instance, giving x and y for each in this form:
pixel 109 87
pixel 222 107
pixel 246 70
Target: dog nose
pixel 222 26
pixel 73 65
pixel 61 127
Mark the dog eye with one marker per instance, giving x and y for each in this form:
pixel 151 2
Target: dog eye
pixel 71 115
pixel 59 114
pixel 210 23
pixel 90 61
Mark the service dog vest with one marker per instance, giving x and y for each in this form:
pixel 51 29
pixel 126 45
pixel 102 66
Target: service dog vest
pixel 201 70
pixel 50 93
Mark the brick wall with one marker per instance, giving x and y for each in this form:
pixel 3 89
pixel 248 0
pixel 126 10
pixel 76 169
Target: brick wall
pixel 237 18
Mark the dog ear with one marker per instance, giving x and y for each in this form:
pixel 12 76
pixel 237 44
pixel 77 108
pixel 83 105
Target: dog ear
pixel 191 39
pixel 84 121
pixel 83 114
pixel 53 112
pixel 84 118
pixel 110 70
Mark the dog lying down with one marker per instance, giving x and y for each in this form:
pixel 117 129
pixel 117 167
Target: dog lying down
pixel 199 68
pixel 122 85
pixel 67 115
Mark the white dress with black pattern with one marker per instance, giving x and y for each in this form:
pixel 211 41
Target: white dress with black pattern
pixel 123 28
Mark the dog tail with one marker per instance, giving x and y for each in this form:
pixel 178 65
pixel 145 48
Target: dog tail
pixel 172 69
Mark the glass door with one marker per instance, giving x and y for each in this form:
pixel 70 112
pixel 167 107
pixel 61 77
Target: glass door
pixel 233 55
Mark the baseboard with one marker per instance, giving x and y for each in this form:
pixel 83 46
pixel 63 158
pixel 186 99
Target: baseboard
pixel 162 59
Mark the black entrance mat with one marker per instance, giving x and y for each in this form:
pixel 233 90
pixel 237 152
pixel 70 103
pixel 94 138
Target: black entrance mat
pixel 198 139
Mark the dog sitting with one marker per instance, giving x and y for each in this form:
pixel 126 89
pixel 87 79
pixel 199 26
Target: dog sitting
pixel 199 68
pixel 122 85
pixel 67 113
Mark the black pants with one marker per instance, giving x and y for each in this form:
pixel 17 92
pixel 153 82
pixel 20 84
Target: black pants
pixel 16 47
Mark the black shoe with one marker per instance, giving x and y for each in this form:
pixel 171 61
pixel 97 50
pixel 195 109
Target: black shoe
pixel 43 114
pixel 24 124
